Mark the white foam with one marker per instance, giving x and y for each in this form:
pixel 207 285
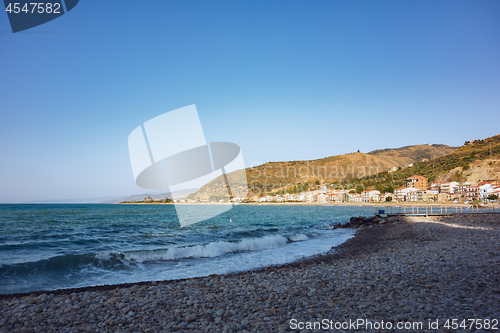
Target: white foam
pixel 298 238
pixel 107 255
pixel 283 252
pixel 210 250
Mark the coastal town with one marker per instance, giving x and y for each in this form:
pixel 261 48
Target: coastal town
pixel 417 189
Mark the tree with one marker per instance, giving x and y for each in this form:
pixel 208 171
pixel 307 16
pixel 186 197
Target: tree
pixel 492 197
pixel 388 189
pixel 458 177
pixel 388 199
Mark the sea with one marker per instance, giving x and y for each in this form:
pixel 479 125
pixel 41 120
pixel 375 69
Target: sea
pixel 56 246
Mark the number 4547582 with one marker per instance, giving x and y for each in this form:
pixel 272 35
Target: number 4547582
pixel 34 7
pixel 475 324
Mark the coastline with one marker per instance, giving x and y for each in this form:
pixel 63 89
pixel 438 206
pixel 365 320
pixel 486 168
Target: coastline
pixel 496 205
pixel 419 269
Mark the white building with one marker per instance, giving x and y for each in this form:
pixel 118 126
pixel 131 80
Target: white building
pixel 444 187
pixel 384 196
pixel 370 196
pixel 487 189
pixel 401 193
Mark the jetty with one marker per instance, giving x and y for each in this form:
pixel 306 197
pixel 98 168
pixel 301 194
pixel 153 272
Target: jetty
pixel 432 210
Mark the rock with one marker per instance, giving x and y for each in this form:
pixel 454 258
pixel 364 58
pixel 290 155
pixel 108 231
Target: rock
pixel 402 317
pixel 190 317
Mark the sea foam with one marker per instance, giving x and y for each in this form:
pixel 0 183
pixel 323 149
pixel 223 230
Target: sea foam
pixel 209 250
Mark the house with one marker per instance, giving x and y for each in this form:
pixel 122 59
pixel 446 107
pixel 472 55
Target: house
pixel 370 196
pixel 401 193
pixel 427 195
pixel 413 196
pixel 461 191
pixel 448 187
pixel 355 197
pixel 496 191
pixel 487 188
pixel 443 197
pixel 321 198
pixel 352 197
pixel 292 197
pixel 417 181
pixel 311 197
pixel 472 192
pixel 384 196
pixel 336 197
pixel 444 187
pixel 435 187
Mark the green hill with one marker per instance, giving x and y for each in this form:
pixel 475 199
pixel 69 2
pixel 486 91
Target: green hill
pixel 459 165
pixel 296 176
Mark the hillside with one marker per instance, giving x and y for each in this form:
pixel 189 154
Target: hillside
pixel 416 153
pixel 473 162
pixel 478 171
pixel 294 176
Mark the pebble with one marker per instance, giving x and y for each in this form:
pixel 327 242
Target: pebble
pixel 190 318
pixel 416 269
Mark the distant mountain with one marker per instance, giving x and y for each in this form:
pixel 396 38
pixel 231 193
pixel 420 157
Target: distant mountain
pixel 276 177
pixel 140 197
pixel 116 199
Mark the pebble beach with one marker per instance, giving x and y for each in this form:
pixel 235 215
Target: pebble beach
pixel 418 269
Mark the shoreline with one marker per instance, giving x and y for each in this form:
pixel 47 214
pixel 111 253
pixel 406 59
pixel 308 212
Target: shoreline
pixel 328 204
pixel 418 269
pixel 64 291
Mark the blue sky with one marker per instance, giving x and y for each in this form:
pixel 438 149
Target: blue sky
pixel 285 80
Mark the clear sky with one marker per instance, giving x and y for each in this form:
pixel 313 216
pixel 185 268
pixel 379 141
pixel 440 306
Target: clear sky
pixel 284 79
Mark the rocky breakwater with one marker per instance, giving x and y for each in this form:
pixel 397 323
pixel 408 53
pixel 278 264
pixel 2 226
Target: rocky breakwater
pixel 357 221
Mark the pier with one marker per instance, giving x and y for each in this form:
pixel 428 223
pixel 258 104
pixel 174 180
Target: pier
pixel 432 210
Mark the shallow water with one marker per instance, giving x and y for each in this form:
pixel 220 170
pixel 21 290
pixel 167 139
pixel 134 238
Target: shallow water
pixel 45 247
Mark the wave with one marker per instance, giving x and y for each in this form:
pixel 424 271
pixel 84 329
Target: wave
pixel 298 238
pixel 61 264
pixel 72 266
pixel 116 258
pixel 209 250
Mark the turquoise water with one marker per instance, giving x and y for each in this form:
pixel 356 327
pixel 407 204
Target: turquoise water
pixel 46 247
